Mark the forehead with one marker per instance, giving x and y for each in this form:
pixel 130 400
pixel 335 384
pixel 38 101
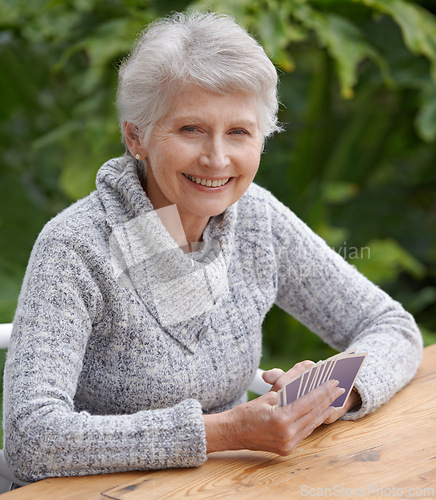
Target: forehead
pixel 194 103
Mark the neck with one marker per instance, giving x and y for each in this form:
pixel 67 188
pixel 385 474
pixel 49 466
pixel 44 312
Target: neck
pixel 185 228
pixel 193 227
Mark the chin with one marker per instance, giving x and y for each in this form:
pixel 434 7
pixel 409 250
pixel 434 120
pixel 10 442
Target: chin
pixel 211 211
pixel 219 211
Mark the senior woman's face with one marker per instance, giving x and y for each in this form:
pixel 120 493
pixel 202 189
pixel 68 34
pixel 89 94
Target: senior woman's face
pixel 204 153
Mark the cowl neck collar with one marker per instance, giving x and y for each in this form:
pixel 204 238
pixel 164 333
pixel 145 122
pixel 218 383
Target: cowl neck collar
pixel 180 290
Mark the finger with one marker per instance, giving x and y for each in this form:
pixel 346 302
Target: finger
pixel 271 376
pixel 300 368
pixel 319 414
pixel 314 411
pixel 296 370
pixel 337 414
pixel 319 397
pixel 351 403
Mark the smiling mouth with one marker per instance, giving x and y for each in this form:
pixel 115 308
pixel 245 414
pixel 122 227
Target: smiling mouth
pixel 207 182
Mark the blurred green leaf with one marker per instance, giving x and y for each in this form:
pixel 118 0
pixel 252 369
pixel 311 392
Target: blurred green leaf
pixel 276 32
pixel 345 43
pixel 422 299
pixel 334 236
pixel 339 192
pixel 426 117
pixel 382 260
pixel 428 336
pixel 359 171
pixel 9 290
pixel 416 23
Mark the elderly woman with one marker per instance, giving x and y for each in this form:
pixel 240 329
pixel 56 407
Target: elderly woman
pixel 138 328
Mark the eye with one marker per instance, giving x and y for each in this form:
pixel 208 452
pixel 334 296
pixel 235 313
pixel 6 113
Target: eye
pixel 189 128
pixel 239 131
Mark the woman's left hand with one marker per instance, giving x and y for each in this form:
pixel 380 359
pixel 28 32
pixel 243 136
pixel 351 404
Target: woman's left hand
pixel 353 401
pixel 278 379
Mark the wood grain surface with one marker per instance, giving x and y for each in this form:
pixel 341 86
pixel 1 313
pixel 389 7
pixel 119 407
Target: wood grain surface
pixel 390 451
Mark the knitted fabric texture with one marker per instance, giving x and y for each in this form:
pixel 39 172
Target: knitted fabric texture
pixel 112 362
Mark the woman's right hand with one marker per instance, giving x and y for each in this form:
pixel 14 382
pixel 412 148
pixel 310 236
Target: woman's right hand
pixel 262 425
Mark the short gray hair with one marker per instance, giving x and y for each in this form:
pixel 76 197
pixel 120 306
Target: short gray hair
pixel 206 49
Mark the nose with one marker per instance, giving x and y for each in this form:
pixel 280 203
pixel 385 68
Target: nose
pixel 215 154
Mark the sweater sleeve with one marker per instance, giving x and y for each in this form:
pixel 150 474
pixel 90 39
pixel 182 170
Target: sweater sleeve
pixel 328 295
pixel 44 435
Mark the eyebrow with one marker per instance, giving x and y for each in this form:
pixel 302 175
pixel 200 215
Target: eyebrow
pixel 243 122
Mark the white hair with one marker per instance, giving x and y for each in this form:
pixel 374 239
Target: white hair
pixel 206 49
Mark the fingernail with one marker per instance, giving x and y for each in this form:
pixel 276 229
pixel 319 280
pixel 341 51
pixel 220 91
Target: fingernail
pixel 334 382
pixel 340 390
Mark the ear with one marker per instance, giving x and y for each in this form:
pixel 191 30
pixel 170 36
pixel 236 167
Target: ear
pixel 134 139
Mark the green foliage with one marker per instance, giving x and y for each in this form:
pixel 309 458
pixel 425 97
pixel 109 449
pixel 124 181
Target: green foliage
pixel 382 260
pixel 358 93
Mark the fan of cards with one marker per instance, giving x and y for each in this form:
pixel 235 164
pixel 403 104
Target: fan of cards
pixel 343 367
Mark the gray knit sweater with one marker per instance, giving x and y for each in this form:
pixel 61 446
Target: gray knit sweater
pixel 121 341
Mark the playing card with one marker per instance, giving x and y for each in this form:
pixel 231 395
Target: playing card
pixel 329 368
pixel 303 378
pixel 323 371
pixel 313 377
pixel 289 393
pixel 343 367
pixel 315 382
pixel 312 373
pixel 326 369
pixel 346 370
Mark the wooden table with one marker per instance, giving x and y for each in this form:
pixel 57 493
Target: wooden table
pixel 391 453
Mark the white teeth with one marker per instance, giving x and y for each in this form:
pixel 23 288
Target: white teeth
pixel 207 182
